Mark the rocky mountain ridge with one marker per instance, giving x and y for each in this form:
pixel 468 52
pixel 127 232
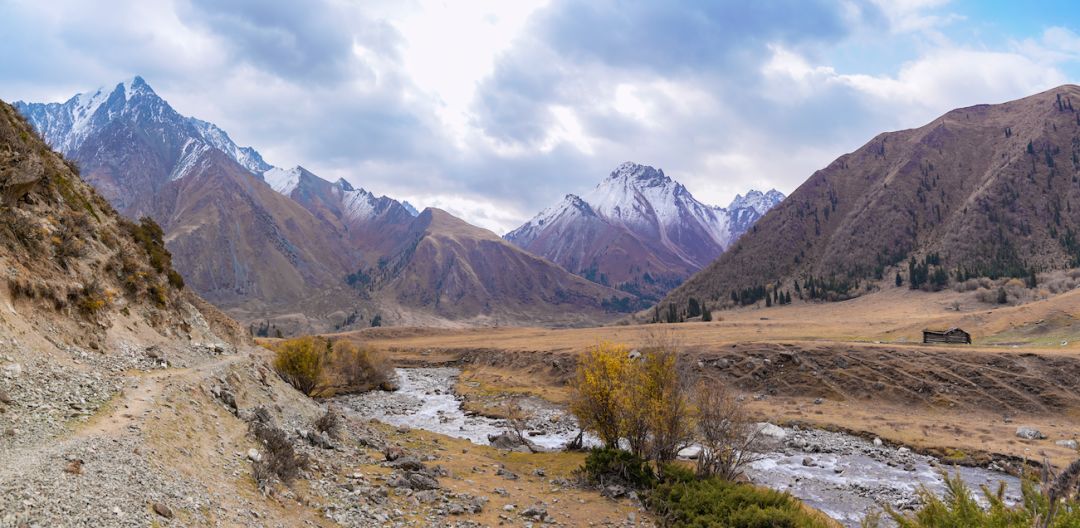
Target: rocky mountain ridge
pixel 638 230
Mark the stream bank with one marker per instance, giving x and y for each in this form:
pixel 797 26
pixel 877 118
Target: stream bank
pixel 840 474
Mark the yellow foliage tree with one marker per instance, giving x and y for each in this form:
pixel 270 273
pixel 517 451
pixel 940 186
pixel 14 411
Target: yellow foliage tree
pixel 300 362
pixel 657 413
pixel 597 393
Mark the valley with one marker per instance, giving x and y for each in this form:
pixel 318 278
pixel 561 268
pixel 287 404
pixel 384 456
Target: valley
pixel 560 333
pixel 855 366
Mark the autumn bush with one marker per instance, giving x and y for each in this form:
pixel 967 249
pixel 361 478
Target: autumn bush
pixel 300 362
pixel 597 391
pixel 637 397
pixel 318 366
pixel 360 368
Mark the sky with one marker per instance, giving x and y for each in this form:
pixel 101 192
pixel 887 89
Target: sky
pixel 494 110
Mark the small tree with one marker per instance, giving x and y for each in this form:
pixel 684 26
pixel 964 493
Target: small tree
pixel 899 280
pixel 595 396
pixel 730 441
pixel 300 362
pixel 693 308
pixel 517 418
pixel 706 313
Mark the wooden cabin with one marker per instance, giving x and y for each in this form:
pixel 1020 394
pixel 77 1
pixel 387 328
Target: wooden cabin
pixel 952 335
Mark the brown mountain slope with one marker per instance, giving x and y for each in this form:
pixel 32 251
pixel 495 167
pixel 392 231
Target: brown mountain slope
pixel 372 224
pixel 243 245
pixel 451 269
pixel 988 189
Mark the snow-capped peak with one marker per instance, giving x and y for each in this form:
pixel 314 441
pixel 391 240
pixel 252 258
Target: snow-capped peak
pixel 652 207
pixel 757 200
pixel 135 86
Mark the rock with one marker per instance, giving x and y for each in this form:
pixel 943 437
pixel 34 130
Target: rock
pixel 692 452
pixel 634 354
pixel 808 462
pixel 11 370
pixel 771 432
pixel 506 474
pixel 74 467
pixel 420 481
pixel 507 441
pixel 392 453
pixel 818 401
pixel 389 385
pixel 455 509
pixel 613 491
pixel 254 455
pixel 1029 433
pixel 4 398
pixel 427 496
pixel 536 511
pixel 903 451
pixel 877 442
pixel 1069 444
pixel 407 463
pixel 539 472
pixel 163 510
pixel 509 507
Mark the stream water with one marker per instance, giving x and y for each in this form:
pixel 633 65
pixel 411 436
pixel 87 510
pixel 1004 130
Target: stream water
pixel 842 475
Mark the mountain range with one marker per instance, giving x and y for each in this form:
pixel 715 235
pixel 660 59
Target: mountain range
pixel 985 190
pixel 284 245
pixel 639 230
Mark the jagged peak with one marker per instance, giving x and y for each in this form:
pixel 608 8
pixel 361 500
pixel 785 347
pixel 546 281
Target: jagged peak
pixel 631 171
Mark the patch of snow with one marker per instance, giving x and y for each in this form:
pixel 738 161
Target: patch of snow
pixel 283 180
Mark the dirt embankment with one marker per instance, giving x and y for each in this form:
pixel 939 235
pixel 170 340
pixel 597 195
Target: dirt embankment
pixel 937 377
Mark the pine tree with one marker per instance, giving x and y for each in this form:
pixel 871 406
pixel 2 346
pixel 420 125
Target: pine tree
pixel 899 280
pixel 706 314
pixel 768 301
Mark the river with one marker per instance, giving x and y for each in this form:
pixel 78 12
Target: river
pixel 843 475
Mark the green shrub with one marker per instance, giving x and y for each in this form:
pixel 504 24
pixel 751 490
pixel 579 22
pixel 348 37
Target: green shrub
pixel 175 280
pixel 958 507
pixel 300 362
pixel 606 466
pixel 714 502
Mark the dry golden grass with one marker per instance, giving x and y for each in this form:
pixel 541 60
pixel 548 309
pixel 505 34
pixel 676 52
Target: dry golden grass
pixel 871 330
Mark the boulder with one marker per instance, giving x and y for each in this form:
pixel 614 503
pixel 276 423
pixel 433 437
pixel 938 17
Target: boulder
pixel 1068 444
pixel 163 510
pixel 769 431
pixel 1029 433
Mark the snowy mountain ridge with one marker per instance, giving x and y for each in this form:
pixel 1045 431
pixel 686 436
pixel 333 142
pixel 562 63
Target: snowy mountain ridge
pixel 642 222
pixel 66 126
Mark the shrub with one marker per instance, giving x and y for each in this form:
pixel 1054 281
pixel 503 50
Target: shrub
pixel 360 368
pixel 656 409
pixel 716 502
pixel 329 423
pixel 594 399
pixel 175 280
pixel 300 362
pixel 93 299
pixel 958 507
pixel 279 458
pixel 730 440
pixel 605 466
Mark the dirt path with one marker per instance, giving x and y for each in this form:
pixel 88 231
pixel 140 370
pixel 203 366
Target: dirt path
pixel 134 404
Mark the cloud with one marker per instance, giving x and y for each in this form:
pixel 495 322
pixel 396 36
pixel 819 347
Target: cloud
pixel 494 110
